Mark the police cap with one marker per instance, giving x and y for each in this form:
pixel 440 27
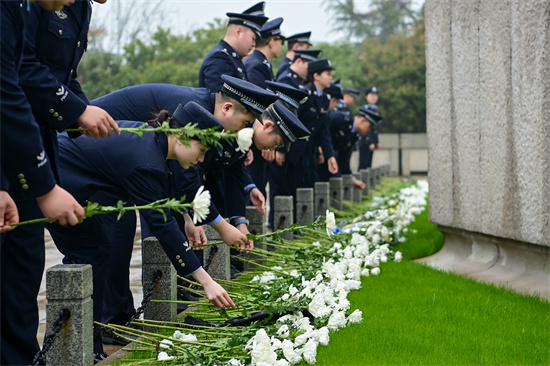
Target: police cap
pixel 287 93
pixel 272 28
pixel 193 113
pixel 335 91
pixel 318 66
pixel 256 9
pixel 289 124
pixel 370 114
pixel 372 89
pixel 254 22
pixel 353 92
pixel 308 55
pixel 300 37
pixel 254 98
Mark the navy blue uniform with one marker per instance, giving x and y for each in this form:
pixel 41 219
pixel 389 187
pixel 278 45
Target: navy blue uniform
pixel 221 60
pixel 35 168
pixel 283 67
pixel 343 107
pixel 290 78
pixel 344 137
pixel 365 154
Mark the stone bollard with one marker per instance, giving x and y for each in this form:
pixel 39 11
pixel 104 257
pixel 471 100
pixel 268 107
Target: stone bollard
pixel 322 198
pixel 378 175
pixel 257 226
pixel 347 194
pixel 365 177
pixel 154 262
pixel 304 205
pixel 372 178
pixel 357 193
pixel 283 214
pixel 70 286
pixel 216 257
pixel 336 193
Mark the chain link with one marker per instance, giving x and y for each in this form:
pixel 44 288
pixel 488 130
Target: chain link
pixel 39 358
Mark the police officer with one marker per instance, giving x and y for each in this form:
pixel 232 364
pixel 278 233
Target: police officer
pixel 367 144
pixel 298 41
pixel 344 131
pixel 268 46
pixel 334 94
pixel 350 97
pixel 226 57
pixel 297 71
pixel 135 170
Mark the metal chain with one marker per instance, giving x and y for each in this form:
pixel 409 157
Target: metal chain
pixel 64 314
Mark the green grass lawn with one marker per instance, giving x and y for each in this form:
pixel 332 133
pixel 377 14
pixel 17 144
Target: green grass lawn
pixel 415 315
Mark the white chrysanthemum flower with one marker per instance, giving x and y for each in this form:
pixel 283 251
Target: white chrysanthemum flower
pixel 281 362
pixel 398 256
pixel 234 362
pixel 284 331
pixel 201 205
pixel 285 297
pixel 365 272
pixel 375 239
pixel 165 343
pixel 337 320
pixel 331 222
pixel 323 334
pixel 261 348
pixel 275 343
pixel 375 271
pixel 316 244
pixel 355 317
pixel 310 351
pixel 244 139
pixel 292 290
pixel 163 356
pixel 302 338
pixel 290 354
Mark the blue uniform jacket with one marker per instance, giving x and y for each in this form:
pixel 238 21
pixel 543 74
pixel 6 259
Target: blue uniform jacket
pixel 344 137
pixel 23 159
pixel 283 67
pixel 140 102
pixel 290 78
pixel 131 168
pixel 343 107
pixel 258 69
pixel 221 60
pixel 54 45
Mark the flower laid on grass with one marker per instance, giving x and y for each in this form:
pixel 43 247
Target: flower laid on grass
pixel 244 139
pixel 201 205
pixel 292 299
pixel 331 222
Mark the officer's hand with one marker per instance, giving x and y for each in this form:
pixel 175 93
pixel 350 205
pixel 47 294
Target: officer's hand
pixel 268 155
pixel 214 292
pixel 249 245
pixel 372 147
pixel 195 234
pixel 98 122
pixel 8 212
pixel 280 158
pixel 332 165
pixel 357 184
pixel 258 200
pixel 249 158
pixel 59 205
pixel 230 235
pixel 320 159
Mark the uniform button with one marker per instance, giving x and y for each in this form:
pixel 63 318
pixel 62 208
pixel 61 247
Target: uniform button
pixel 180 260
pixel 78 44
pixel 56 114
pixel 71 71
pixel 51 111
pixel 24 186
pixel 60 118
pixel 183 264
pixel 61 32
pixel 178 256
pixel 21 176
pixel 22 181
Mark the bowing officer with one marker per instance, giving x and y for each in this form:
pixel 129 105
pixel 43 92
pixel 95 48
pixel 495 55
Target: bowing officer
pixel 226 57
pixel 268 46
pixel 298 41
pixel 350 98
pixel 367 144
pixel 345 131
pixel 297 71
pixel 134 170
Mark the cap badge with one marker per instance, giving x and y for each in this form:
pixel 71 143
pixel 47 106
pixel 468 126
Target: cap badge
pixel 60 14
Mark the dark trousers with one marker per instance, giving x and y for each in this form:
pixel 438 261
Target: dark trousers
pixel 86 243
pixel 365 157
pixel 21 267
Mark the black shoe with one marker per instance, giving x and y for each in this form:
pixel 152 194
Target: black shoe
pixel 234 272
pixel 183 296
pixel 99 356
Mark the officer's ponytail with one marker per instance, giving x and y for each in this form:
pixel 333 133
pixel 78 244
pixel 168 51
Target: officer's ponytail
pixel 162 116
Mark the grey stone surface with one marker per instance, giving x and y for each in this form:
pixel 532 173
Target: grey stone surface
pixel 365 177
pixel 217 258
pixel 283 214
pixel 155 259
pixel 69 287
pixel 357 193
pixel 372 178
pixel 304 205
pixel 257 225
pixel 377 174
pixel 336 193
pixel 347 187
pixel 322 198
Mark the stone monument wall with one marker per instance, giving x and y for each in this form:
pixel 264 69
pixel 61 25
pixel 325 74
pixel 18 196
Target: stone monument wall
pixel 488 117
